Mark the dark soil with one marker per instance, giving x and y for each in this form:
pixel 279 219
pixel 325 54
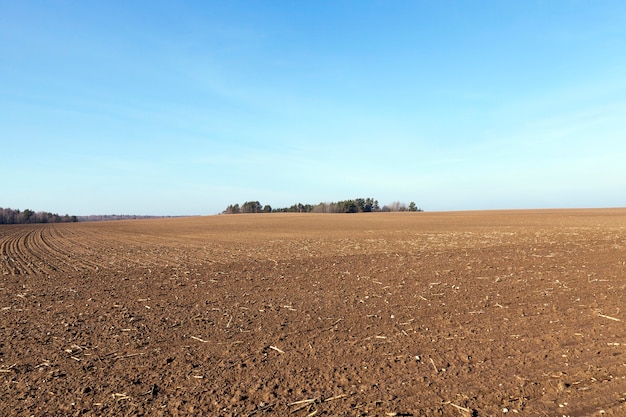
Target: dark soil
pixel 406 314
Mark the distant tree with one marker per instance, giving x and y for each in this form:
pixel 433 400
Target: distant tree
pixel 232 209
pixel 395 206
pixel 10 216
pixel 27 216
pixel 323 208
pixel 43 217
pixel 251 207
pixel 357 205
pixel 351 206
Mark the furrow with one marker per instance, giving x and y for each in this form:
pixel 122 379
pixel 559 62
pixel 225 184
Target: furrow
pixel 8 263
pixel 19 251
pixel 66 254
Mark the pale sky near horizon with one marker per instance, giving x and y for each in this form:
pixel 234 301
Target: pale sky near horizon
pixel 181 108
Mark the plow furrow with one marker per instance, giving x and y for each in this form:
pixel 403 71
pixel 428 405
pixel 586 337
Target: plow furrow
pixel 67 254
pixel 41 249
pixel 15 256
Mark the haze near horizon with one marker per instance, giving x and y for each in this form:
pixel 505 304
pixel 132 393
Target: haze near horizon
pixel 181 108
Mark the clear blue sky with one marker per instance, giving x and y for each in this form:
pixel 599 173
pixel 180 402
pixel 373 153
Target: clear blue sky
pixel 176 108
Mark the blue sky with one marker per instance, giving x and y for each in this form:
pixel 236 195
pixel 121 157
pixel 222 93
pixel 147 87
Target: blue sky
pixel 176 108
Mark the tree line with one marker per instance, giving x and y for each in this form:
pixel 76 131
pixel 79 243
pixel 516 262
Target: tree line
pixel 357 205
pixel 11 216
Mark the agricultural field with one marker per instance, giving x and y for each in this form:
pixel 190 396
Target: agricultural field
pixel 374 314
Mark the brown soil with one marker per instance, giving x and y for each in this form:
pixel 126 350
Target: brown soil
pixel 414 314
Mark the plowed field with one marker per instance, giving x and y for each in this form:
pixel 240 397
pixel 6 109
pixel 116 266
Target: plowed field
pixel 407 314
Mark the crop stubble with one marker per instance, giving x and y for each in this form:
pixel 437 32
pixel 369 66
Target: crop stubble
pixel 469 313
